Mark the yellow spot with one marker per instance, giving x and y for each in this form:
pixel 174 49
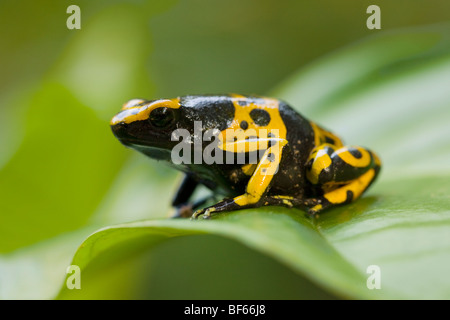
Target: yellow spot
pixel 130 114
pixel 283 197
pixel 357 186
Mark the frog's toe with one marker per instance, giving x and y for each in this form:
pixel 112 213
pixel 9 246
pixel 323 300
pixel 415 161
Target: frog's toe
pixel 197 214
pixel 315 209
pixel 312 211
pixel 207 214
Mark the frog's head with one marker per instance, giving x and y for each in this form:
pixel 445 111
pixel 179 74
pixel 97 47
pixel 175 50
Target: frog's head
pixel 147 125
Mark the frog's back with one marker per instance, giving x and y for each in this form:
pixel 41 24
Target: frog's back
pixel 253 115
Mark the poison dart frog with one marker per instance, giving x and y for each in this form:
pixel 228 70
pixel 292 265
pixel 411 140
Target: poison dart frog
pixel 299 165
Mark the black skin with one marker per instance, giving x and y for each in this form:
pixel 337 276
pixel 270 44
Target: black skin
pixel 218 112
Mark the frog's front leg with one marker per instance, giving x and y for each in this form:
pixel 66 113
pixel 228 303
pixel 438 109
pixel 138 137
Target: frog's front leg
pixel 341 173
pixel 257 186
pixel 182 201
pixel 224 205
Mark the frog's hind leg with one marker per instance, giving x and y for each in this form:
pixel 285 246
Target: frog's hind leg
pixel 342 174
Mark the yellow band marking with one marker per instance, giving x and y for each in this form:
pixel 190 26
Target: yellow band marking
pixel 283 197
pixel 130 114
pixel 357 187
pixel 254 138
pixel 350 159
pixel 321 161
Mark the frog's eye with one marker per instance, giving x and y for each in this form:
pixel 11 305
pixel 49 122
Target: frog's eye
pixel 162 117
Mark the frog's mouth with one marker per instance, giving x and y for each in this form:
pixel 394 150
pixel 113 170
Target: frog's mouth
pixel 150 151
pixel 154 145
pixel 154 152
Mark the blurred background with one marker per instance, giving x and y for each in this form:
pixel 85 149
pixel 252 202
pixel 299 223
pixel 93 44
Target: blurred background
pixel 62 173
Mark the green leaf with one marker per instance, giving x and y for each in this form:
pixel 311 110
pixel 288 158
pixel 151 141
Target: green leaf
pixel 405 231
pixel 285 235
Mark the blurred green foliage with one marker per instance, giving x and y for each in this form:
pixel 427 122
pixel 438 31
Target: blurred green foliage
pixel 62 174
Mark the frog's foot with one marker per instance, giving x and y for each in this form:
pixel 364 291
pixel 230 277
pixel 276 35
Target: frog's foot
pixel 204 213
pixel 224 205
pixel 197 214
